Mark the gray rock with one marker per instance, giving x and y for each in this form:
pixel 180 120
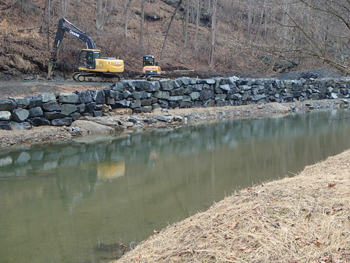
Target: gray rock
pixel 5 115
pixel 84 96
pixel 47 97
pixel 22 102
pixel 68 98
pixel 20 115
pixel 62 122
pixel 54 115
pixel 5 125
pixel 152 87
pixel 39 121
pixel 7 105
pixel 36 112
pixel 166 84
pixel 21 126
pixel 51 106
pixel 165 118
pixel 195 95
pixel 68 109
pixel 162 95
pixel 98 96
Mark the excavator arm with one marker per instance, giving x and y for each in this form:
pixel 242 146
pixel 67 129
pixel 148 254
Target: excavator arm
pixel 72 30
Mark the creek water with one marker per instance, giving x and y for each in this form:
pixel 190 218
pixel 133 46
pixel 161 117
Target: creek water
pixel 77 201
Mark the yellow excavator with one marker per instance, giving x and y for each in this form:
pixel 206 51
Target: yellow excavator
pixel 150 69
pixel 92 67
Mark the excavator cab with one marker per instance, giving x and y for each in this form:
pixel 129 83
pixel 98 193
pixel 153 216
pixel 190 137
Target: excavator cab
pixel 87 58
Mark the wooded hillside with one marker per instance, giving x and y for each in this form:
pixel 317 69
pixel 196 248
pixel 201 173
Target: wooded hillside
pixel 257 37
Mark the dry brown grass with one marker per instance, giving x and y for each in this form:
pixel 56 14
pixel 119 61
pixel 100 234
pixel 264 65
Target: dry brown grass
pixel 299 219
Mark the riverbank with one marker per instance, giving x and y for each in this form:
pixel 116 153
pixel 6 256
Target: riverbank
pixel 122 121
pixel 300 219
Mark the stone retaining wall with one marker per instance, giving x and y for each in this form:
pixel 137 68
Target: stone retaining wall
pixel 144 96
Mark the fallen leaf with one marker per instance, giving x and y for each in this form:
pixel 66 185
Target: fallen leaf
pixel 242 249
pixel 317 243
pixel 331 185
pixel 297 238
pixel 233 225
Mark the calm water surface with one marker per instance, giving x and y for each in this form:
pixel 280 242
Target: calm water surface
pixel 74 202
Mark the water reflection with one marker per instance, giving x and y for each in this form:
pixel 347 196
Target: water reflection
pixel 78 201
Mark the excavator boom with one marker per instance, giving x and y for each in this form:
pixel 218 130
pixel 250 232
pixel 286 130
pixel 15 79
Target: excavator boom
pixel 72 30
pixel 92 67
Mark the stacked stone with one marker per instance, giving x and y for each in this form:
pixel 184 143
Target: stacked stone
pixel 47 109
pixel 144 96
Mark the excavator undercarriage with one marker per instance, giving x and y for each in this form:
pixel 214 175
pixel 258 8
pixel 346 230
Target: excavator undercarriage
pixel 95 77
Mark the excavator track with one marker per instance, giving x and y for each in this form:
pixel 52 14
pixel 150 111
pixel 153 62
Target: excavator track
pixel 94 77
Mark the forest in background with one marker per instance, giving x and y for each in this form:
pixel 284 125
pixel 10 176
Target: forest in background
pixel 255 37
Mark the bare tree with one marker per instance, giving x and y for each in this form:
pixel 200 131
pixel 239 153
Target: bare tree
pixel 127 17
pixel 110 6
pixel 213 35
pixel 249 18
pixel 186 18
pixel 197 25
pixel 99 15
pixel 45 24
pixel 64 4
pixel 167 32
pixel 318 29
pixel 142 25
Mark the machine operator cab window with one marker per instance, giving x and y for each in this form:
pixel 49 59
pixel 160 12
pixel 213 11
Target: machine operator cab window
pixel 148 61
pixel 87 59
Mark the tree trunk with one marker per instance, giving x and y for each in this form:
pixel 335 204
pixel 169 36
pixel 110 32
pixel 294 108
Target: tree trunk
pixel 142 24
pixel 99 16
pixel 260 21
pixel 110 8
pixel 44 28
pixel 213 29
pixel 167 32
pixel 249 19
pixel 185 29
pixel 197 25
pixel 127 18
pixel 64 4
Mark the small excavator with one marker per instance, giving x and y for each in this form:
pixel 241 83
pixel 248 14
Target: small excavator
pixel 92 67
pixel 150 69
